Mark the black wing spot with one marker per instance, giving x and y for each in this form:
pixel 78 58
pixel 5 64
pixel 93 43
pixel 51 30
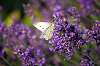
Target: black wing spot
pixel 41 26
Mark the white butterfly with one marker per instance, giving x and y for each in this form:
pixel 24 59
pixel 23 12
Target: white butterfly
pixel 46 28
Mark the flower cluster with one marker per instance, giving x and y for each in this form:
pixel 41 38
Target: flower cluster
pixel 86 61
pixel 31 56
pixel 86 6
pixel 67 36
pixel 17 34
pixel 21 39
pixel 96 33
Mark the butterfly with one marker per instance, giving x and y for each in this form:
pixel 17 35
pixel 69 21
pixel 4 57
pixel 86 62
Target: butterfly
pixel 46 28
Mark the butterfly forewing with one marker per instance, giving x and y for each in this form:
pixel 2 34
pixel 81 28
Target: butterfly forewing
pixel 47 34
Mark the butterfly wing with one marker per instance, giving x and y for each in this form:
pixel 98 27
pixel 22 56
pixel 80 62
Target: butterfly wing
pixel 42 26
pixel 46 28
pixel 47 34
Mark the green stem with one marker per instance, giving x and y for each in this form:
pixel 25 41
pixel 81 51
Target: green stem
pixel 6 61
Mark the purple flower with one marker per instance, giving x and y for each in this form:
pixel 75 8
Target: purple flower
pixel 2 27
pixel 1 51
pixel 18 34
pixel 86 61
pixel 96 33
pixel 31 56
pixel 66 37
pixel 73 16
pixel 86 3
pixel 86 7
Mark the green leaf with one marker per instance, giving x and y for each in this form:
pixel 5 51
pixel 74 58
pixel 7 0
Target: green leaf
pixel 27 21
